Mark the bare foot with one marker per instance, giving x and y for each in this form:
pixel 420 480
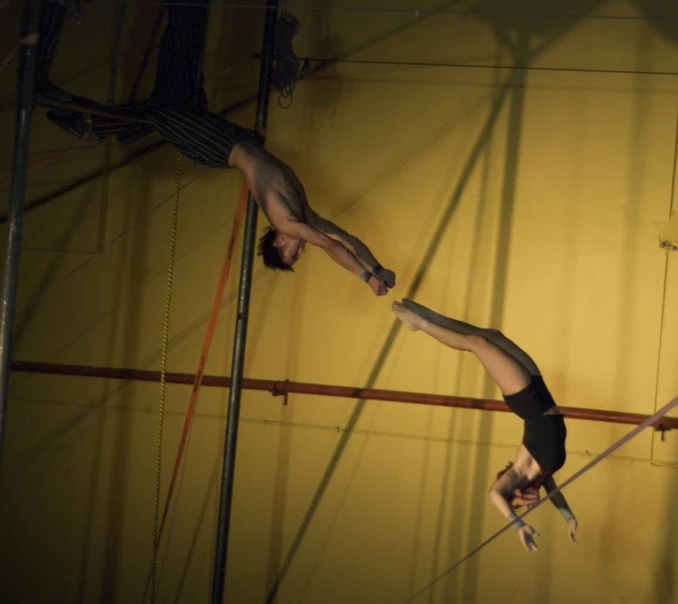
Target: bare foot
pixel 412 320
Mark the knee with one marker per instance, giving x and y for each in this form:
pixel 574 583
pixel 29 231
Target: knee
pixel 476 343
pixel 494 336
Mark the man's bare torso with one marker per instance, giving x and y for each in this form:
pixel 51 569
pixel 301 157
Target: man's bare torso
pixel 273 184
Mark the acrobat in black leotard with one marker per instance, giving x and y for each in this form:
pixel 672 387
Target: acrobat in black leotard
pixel 544 435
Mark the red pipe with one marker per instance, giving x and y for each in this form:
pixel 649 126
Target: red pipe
pixel 285 387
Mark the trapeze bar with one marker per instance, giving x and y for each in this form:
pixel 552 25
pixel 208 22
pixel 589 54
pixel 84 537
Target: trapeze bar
pixel 284 387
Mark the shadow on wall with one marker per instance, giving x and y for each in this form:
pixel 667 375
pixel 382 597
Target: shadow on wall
pixel 115 475
pixel 137 42
pixel 509 95
pixel 662 16
pixel 436 238
pixel 665 578
pixel 524 25
pixel 665 574
pixel 240 37
pixel 518 42
pixel 524 39
pixel 465 491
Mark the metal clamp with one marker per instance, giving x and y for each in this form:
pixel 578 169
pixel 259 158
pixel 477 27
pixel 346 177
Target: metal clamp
pixel 663 429
pixel 277 392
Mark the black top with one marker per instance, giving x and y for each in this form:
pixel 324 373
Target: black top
pixel 544 435
pixel 532 401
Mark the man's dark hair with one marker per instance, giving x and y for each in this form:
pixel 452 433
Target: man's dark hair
pixel 270 253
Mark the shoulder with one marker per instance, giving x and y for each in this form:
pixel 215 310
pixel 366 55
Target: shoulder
pixel 290 225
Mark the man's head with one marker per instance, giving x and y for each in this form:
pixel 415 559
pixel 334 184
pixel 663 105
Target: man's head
pixel 279 251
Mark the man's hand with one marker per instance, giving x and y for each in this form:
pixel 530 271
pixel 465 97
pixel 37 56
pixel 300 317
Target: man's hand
pixel 387 276
pixel 377 286
pixel 572 529
pixel 526 534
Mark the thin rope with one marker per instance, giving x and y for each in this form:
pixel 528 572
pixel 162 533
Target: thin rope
pixel 157 533
pixel 163 381
pixel 611 449
pixel 209 333
pixel 65 149
pixel 591 70
pixel 83 144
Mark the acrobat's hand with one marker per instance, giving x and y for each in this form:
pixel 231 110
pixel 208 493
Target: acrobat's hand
pixel 527 534
pixel 572 529
pixel 378 286
pixel 387 276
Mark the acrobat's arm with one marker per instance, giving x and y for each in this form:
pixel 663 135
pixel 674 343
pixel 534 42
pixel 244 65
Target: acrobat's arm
pixel 340 253
pixel 559 501
pixel 356 247
pixel 499 494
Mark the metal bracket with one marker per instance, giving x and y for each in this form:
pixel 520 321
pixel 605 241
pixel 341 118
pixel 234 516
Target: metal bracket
pixel 276 392
pixel 663 430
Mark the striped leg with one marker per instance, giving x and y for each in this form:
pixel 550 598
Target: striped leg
pixel 179 73
pixel 51 22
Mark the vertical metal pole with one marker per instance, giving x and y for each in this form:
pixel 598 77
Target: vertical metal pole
pixel 237 363
pixel 30 28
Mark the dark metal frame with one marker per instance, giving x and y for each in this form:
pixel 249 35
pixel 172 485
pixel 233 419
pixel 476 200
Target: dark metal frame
pixel 30 29
pixel 238 362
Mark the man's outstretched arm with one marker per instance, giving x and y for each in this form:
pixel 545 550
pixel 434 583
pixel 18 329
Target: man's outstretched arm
pixel 340 253
pixel 357 248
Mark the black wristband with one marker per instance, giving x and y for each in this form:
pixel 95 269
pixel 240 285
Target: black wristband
pixel 366 276
pixel 377 269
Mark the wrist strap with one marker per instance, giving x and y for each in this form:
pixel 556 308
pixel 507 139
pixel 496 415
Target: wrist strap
pixel 516 522
pixel 366 276
pixel 566 513
pixel 377 269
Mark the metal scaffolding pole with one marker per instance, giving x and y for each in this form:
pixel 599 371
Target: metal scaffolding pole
pixel 249 241
pixel 283 388
pixel 30 30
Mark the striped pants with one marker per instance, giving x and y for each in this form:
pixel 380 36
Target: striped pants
pixel 177 108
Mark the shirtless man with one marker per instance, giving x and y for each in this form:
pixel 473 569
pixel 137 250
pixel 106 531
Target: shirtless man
pixel 183 119
pixel 282 198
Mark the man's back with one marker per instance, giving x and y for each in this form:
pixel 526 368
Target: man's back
pixel 273 184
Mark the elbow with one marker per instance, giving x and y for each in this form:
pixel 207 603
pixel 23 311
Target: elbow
pixel 499 501
pixel 495 495
pixel 498 497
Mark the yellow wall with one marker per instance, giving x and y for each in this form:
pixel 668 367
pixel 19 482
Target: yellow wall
pixel 531 199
